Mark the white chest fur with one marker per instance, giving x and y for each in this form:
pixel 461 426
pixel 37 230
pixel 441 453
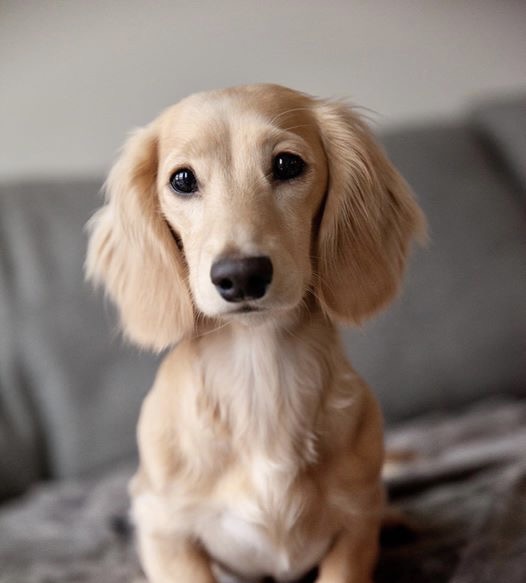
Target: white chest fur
pixel 250 533
pixel 274 526
pixel 268 393
pixel 246 549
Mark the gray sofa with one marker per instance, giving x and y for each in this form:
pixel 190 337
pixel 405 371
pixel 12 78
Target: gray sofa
pixel 70 389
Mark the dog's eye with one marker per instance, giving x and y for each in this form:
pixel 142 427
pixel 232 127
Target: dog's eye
pixel 183 181
pixel 287 166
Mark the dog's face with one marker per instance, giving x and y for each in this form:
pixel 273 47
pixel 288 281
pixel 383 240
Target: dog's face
pixel 235 204
pixel 240 178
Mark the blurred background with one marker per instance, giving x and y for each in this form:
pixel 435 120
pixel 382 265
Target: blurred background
pixel 444 84
pixel 76 76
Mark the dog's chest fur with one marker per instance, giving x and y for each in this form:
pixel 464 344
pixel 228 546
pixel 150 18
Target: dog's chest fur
pixel 265 400
pixel 267 386
pixel 259 529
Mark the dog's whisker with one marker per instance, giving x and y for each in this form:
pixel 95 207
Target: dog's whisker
pixel 212 330
pixel 287 112
pixel 202 318
pixel 312 292
pixel 302 125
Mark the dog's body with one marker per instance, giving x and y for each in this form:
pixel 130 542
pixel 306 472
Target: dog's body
pixel 260 444
pixel 261 449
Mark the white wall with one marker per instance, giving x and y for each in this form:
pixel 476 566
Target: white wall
pixel 75 75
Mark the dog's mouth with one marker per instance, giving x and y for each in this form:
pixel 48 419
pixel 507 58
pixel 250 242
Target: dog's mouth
pixel 246 309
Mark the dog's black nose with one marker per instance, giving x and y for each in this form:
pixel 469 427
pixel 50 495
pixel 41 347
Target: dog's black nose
pixel 238 279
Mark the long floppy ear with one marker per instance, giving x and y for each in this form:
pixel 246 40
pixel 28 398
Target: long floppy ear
pixel 369 218
pixel 133 253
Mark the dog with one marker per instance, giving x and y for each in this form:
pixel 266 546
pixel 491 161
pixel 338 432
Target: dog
pixel 239 228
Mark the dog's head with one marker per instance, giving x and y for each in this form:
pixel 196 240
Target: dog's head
pixel 237 204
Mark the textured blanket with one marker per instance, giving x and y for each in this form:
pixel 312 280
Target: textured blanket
pixel 462 487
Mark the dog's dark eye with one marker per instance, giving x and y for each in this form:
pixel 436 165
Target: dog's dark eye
pixel 183 181
pixel 287 166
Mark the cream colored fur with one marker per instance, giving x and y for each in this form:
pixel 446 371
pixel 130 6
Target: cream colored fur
pixel 261 449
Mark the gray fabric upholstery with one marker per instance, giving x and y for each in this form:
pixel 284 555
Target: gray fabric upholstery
pixel 502 126
pixel 459 329
pixel 70 389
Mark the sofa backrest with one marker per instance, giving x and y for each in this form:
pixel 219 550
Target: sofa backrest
pixel 70 389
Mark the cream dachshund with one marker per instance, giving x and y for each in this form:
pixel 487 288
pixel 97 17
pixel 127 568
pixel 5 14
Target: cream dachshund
pixel 239 228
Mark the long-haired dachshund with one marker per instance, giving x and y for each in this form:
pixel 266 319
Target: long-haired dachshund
pixel 239 228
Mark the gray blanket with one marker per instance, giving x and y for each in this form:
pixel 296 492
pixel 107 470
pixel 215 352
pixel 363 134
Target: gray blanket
pixel 462 488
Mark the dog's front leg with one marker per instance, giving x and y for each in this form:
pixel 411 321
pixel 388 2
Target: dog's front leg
pixel 353 556
pixel 170 560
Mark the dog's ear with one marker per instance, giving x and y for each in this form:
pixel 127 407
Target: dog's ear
pixel 368 221
pixel 133 253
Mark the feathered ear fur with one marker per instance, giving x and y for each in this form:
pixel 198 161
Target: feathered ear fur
pixel 132 251
pixel 368 221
